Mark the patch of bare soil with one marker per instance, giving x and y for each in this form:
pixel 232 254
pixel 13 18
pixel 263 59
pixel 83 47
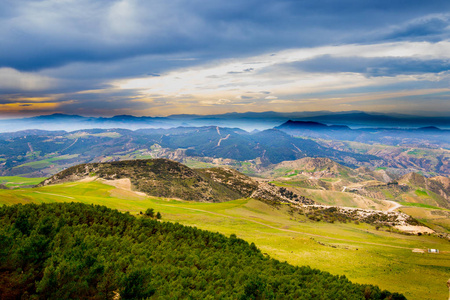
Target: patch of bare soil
pixel 414 229
pixel 418 250
pixel 88 179
pixel 123 184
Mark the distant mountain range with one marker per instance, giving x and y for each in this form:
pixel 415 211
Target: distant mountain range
pixel 248 121
pixel 430 135
pixel 35 152
pixel 47 152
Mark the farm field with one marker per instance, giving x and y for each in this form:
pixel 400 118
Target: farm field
pixel 18 181
pixel 358 251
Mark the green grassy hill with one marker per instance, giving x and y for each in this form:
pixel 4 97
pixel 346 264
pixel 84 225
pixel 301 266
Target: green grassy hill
pixel 157 177
pixel 167 178
pixel 433 191
pixel 358 251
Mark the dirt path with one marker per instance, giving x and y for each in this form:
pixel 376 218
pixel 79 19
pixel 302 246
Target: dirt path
pixel 68 146
pixel 221 139
pixel 31 148
pixel 395 205
pixel 292 231
pixel 299 151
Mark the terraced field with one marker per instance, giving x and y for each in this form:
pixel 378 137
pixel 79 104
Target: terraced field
pixel 359 252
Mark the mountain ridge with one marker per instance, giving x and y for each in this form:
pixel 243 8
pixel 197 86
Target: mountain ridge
pixel 246 120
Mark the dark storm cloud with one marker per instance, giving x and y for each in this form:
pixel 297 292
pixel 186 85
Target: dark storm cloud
pixel 434 28
pixel 78 55
pixel 385 66
pixel 43 34
pixel 105 105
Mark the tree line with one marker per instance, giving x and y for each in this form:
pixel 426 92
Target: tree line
pixel 79 251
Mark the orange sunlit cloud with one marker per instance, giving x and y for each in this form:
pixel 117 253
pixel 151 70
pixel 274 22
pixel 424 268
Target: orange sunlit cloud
pixel 30 106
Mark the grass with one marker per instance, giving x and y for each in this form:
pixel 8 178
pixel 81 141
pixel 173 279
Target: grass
pixel 330 179
pixel 421 193
pixel 33 154
pixel 419 205
pixel 424 196
pixel 388 194
pixel 40 164
pixel 436 218
pixel 417 152
pixel 359 252
pixel 292 174
pixel 192 163
pixel 18 181
pixel 333 198
pixel 292 183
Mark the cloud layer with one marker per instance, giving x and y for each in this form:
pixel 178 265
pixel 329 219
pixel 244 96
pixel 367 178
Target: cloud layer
pixel 161 57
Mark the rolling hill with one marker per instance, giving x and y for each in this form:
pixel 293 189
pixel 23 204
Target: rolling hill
pixel 425 149
pixel 328 183
pixel 359 251
pixel 170 179
pixel 360 172
pixel 78 251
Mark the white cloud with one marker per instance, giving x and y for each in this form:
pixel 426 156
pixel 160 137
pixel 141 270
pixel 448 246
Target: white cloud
pixel 122 19
pixel 11 79
pixel 216 102
pixel 272 74
pixel 223 101
pixel 282 102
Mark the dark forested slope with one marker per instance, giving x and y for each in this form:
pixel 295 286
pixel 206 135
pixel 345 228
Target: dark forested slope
pixel 77 251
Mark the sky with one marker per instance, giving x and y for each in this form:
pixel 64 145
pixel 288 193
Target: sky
pixel 157 58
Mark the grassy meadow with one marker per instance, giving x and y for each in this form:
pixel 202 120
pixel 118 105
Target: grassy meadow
pixel 360 252
pixel 18 181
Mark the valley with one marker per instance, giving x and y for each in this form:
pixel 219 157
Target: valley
pixel 37 153
pixel 367 206
pixel 364 252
